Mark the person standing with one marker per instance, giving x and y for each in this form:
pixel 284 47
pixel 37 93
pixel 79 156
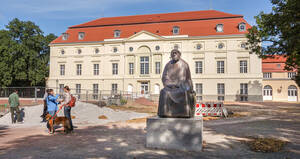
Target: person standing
pixel 14 104
pixel 45 106
pixel 65 103
pixel 51 105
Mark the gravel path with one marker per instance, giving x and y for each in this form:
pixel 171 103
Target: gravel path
pixel 85 114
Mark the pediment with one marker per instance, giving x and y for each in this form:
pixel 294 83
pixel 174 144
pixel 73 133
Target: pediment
pixel 144 35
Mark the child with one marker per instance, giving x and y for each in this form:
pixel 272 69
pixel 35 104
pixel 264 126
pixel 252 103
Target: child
pixel 51 106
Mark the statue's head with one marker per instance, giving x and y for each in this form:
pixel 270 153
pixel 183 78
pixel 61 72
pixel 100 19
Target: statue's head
pixel 175 54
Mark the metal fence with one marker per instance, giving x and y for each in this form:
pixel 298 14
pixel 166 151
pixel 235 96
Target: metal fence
pixel 86 95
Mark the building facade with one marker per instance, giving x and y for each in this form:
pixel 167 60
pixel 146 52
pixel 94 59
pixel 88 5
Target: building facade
pixel 278 84
pixel 129 54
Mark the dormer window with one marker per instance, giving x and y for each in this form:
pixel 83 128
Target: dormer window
pixel 242 26
pixel 175 30
pixel 80 35
pixel 65 36
pixel 117 33
pixel 219 27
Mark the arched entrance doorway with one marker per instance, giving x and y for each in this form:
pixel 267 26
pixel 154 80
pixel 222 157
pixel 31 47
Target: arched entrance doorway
pixel 292 93
pixel 268 93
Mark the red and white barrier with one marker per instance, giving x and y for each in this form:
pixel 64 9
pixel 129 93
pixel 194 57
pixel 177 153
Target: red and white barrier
pixel 210 109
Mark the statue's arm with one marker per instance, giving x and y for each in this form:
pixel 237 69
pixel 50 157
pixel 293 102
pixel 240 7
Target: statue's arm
pixel 165 77
pixel 189 78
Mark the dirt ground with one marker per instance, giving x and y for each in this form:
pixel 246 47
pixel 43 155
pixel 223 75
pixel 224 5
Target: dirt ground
pixel 223 138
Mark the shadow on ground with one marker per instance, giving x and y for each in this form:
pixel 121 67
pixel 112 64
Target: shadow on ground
pixel 115 141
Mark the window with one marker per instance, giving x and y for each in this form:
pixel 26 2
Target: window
pixel 221 91
pixel 62 70
pixel 115 49
pixel 78 90
pixel 175 30
pixel 220 67
pixel 198 46
pixel 278 65
pixel 97 51
pixel 267 75
pixel 157 67
pixel 62 51
pixel 219 27
pixel 157 48
pixel 243 66
pixel 96 69
pixel 79 69
pixel 242 26
pixel 115 68
pixel 79 51
pixel 292 91
pixel 198 67
pixel 95 91
pixel 80 35
pixel 114 88
pixel 117 33
pixel 199 92
pixel 144 61
pixel 243 92
pixel 176 46
pixel 130 49
pixel 61 88
pixel 131 68
pixel 65 36
pixel 267 91
pixel 291 74
pixel 221 46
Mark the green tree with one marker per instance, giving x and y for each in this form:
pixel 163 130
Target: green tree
pixel 28 53
pixel 279 34
pixel 5 58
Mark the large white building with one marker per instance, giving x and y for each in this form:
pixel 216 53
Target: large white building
pixel 129 53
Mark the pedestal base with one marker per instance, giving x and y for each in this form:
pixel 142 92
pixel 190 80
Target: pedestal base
pixel 175 133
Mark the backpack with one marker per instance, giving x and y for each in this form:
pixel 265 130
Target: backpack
pixel 72 101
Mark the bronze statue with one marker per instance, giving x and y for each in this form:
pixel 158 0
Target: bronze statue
pixel 177 98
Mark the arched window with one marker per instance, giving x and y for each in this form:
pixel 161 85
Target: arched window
pixel 117 33
pixel 175 30
pixel 242 26
pixel 267 92
pixel 219 27
pixel 292 93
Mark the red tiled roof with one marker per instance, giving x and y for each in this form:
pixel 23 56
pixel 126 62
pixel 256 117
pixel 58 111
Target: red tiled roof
pixel 197 23
pixel 274 59
pixel 273 67
pixel 156 18
pixel 274 63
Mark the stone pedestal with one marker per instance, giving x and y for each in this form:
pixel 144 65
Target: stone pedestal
pixel 175 133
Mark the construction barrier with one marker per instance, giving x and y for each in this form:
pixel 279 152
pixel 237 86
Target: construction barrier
pixel 210 109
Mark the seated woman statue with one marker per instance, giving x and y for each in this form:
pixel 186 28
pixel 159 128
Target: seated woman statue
pixel 177 98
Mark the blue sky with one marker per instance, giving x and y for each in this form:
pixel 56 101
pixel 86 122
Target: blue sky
pixel 55 16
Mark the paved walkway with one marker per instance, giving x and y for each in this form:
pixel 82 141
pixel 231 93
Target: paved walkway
pixel 124 140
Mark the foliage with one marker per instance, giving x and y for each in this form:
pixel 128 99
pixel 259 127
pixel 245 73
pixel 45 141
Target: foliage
pixel 24 54
pixel 123 101
pixel 279 31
